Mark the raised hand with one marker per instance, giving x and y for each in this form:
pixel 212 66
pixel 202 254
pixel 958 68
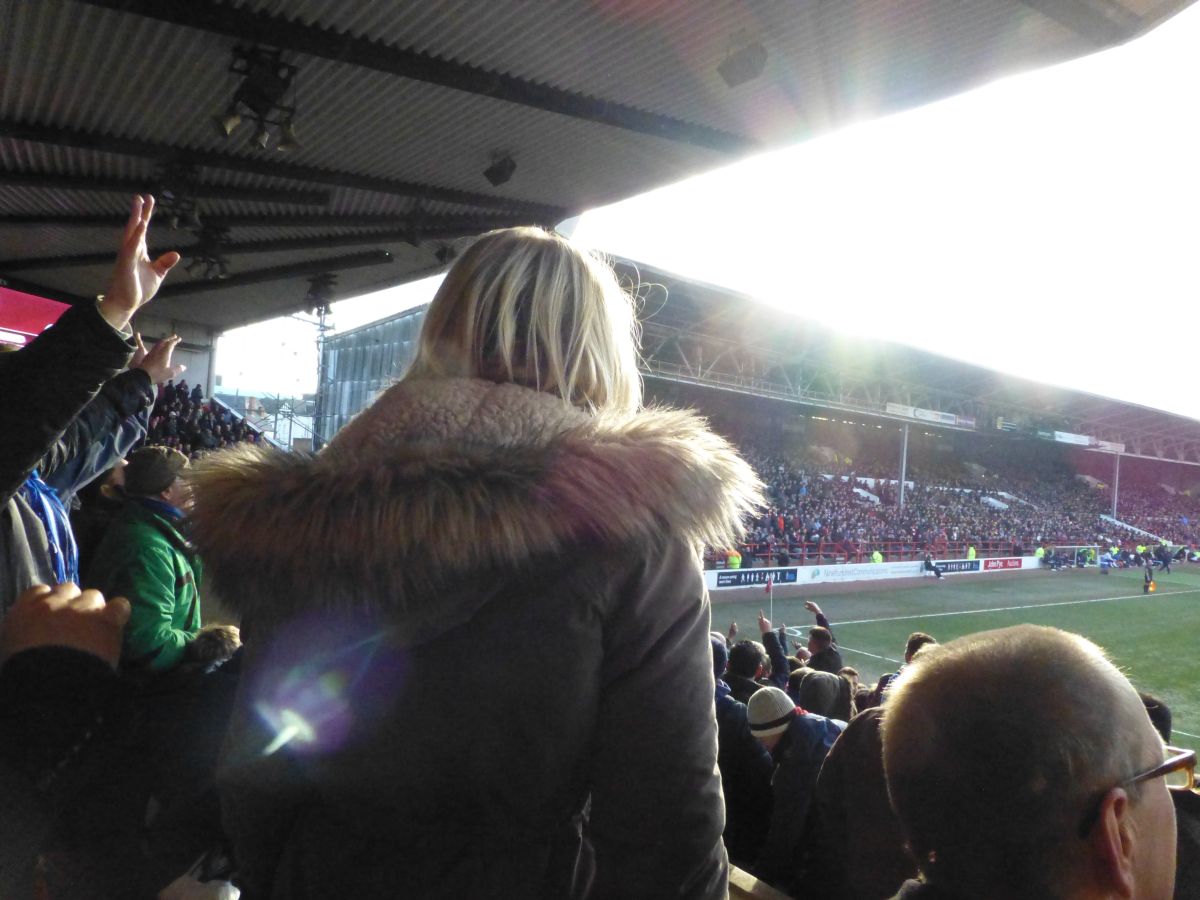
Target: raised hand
pixel 135 278
pixel 64 616
pixel 764 624
pixel 157 362
pixel 812 607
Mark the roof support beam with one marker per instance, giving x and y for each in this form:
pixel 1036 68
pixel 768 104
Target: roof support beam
pixel 274 168
pixel 423 224
pixel 279 273
pixel 279 245
pixel 151 184
pixel 245 24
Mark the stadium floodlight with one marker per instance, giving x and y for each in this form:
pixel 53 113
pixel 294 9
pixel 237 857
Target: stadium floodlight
pixel 228 122
pixel 267 83
pixel 287 138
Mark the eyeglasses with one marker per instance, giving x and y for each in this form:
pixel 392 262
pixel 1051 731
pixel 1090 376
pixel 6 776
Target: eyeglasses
pixel 1178 767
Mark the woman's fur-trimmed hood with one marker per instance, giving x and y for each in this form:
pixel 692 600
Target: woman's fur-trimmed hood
pixel 440 479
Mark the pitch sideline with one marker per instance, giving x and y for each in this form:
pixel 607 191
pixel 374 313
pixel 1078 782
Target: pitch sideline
pixel 969 612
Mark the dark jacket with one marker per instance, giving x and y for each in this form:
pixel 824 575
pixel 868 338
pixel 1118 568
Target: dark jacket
pixel 858 851
pixel 829 659
pixel 1187 856
pixel 798 758
pixel 746 769
pixel 45 385
pixel 51 698
pixel 54 703
pixel 106 428
pixel 477 614
pixel 743 688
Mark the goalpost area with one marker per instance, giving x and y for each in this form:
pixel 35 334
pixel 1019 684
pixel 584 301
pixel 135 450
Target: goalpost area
pixel 1150 637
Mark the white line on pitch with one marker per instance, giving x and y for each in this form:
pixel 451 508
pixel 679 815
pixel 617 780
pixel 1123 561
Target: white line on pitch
pixel 970 612
pixel 846 649
pixel 1184 733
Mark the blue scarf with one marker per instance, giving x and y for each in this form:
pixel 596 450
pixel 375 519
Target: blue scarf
pixel 49 508
pixel 162 507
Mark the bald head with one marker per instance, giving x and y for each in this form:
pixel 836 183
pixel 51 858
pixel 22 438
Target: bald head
pixel 994 745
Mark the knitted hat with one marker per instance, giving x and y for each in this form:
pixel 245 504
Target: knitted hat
pixel 769 712
pixel 152 470
pixel 720 651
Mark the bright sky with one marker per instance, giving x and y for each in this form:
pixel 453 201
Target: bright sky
pixel 1043 225
pixel 280 356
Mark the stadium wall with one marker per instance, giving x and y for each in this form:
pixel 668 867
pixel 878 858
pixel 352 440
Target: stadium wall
pixel 732 579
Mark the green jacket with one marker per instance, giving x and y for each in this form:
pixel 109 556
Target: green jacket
pixel 145 559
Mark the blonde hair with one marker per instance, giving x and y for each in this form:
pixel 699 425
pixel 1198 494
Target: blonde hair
pixel 528 306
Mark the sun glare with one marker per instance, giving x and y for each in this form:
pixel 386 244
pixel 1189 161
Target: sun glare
pixel 1041 225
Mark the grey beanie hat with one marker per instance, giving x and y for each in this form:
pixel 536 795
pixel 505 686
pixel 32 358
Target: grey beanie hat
pixel 769 712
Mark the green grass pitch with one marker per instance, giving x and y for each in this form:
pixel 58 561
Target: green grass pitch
pixel 1153 639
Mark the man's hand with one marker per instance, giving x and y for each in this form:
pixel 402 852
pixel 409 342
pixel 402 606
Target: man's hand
pixel 64 616
pixel 157 362
pixel 812 607
pixel 764 624
pixel 732 633
pixel 135 278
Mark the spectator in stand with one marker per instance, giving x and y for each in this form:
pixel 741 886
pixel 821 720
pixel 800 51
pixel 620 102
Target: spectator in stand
pixel 99 503
pixel 145 558
pixel 822 648
pixel 915 642
pixel 823 693
pixel 57 646
pixel 1160 715
pixel 1021 763
pixel 858 848
pixel 58 651
pixel 745 767
pixel 44 390
pixel 510 484
pixel 798 742
pixel 753 665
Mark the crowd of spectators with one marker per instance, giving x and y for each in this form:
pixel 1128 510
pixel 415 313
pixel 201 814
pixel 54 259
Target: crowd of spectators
pixel 821 506
pixel 354 762
pixel 183 420
pixel 1170 514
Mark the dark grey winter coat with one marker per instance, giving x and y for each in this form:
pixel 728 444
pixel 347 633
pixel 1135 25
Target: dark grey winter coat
pixel 480 617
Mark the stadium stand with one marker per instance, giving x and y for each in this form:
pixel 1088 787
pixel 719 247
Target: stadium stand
pixel 674 89
pixel 184 420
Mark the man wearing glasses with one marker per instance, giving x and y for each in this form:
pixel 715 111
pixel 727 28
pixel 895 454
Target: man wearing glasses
pixel 1022 763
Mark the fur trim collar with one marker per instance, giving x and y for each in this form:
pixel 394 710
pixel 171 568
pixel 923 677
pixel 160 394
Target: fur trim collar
pixel 445 478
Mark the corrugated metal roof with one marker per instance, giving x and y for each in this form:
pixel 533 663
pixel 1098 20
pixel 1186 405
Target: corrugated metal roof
pixel 663 56
pixel 108 74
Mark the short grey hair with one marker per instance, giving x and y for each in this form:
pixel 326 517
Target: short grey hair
pixel 994 744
